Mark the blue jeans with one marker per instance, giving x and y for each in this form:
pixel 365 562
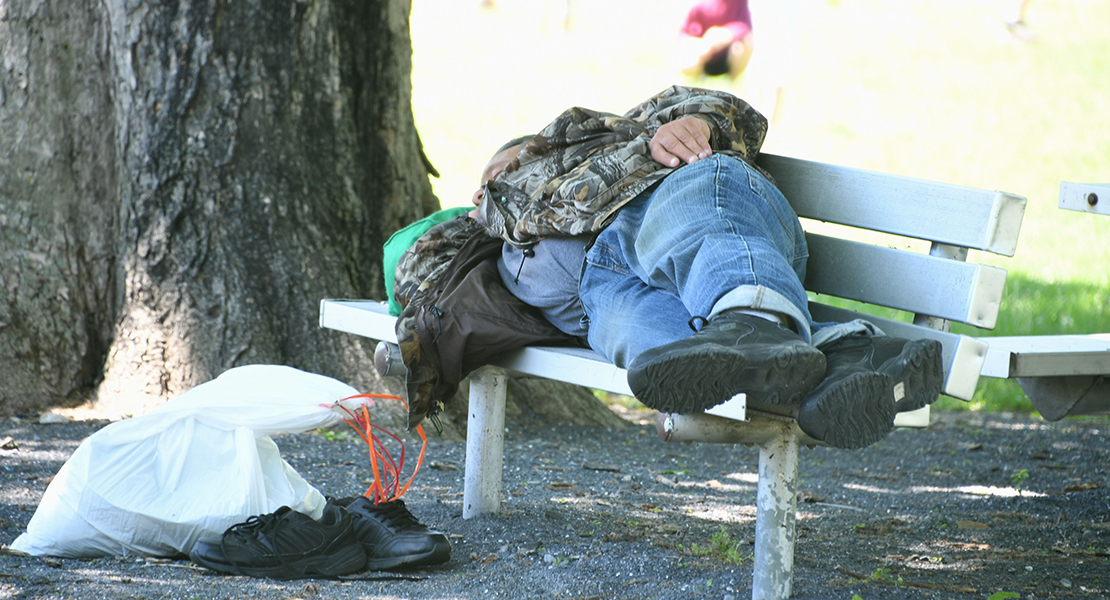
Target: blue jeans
pixel 713 236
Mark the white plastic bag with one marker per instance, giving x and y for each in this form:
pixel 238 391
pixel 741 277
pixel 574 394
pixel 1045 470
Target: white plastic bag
pixel 155 484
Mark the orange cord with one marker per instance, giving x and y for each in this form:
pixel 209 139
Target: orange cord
pixel 379 489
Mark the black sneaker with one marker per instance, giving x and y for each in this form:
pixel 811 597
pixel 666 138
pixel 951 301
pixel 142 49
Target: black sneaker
pixel 391 537
pixel 286 545
pixel 869 380
pixel 734 353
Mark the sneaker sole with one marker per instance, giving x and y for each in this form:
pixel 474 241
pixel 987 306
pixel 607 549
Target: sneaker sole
pixel 919 369
pixel 350 559
pixel 855 413
pixel 438 555
pixel 705 376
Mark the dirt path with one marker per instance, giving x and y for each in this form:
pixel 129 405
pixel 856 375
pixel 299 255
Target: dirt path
pixel 590 513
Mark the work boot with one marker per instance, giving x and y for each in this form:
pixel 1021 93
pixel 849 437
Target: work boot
pixel 869 380
pixel 733 353
pixel 917 367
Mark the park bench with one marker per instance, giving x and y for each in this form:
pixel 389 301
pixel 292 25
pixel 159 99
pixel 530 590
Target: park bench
pixel 898 242
pixel 1062 375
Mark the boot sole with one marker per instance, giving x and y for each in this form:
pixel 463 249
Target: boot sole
pixel 439 554
pixel 702 377
pixel 919 369
pixel 855 413
pixel 349 559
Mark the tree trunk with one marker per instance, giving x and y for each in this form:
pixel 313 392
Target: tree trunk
pixel 187 181
pixel 269 151
pixel 182 182
pixel 58 202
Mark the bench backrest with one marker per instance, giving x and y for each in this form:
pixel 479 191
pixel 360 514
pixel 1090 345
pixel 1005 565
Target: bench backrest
pixel 933 285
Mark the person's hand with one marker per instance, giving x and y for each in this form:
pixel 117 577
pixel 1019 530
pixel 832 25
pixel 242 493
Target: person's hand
pixel 685 140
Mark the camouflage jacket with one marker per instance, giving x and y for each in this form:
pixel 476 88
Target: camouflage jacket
pixel 575 175
pixel 571 179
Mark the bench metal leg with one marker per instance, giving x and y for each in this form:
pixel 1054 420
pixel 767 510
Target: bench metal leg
pixel 485 440
pixel 776 502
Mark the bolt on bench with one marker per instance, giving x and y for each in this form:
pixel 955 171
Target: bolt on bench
pixel 934 284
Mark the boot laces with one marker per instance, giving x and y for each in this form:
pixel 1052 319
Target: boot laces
pixel 255 530
pixel 256 523
pixel 397 515
pixel 702 322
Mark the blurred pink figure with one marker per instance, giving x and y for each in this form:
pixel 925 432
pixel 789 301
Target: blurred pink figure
pixel 717 38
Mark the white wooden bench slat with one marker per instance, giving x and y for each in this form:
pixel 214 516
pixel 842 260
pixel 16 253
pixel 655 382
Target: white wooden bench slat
pixel 1047 355
pixel 916 283
pixel 572 365
pixel 1062 375
pixel 580 366
pixel 368 318
pixel 918 208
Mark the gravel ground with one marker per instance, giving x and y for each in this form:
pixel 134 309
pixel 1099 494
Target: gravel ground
pixel 599 514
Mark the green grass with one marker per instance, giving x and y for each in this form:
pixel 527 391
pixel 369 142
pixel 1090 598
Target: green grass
pixel 721 547
pixel 923 88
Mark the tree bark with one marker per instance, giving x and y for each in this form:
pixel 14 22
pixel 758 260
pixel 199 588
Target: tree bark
pixel 58 203
pixel 187 181
pixel 182 182
pixel 269 151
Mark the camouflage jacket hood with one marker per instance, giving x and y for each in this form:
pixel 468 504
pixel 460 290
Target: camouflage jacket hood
pixel 571 179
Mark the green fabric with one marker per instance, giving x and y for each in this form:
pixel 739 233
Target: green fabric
pixel 402 240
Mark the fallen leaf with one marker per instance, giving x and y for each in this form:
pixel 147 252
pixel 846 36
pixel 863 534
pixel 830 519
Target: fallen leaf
pixel 713 483
pixel 971 525
pixel 589 466
pixel 1082 487
pixel 8 443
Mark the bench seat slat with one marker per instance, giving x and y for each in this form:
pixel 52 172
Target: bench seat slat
pixel 1047 355
pixel 580 366
pixel 368 318
pixel 918 283
pixel 927 210
pixel 963 356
